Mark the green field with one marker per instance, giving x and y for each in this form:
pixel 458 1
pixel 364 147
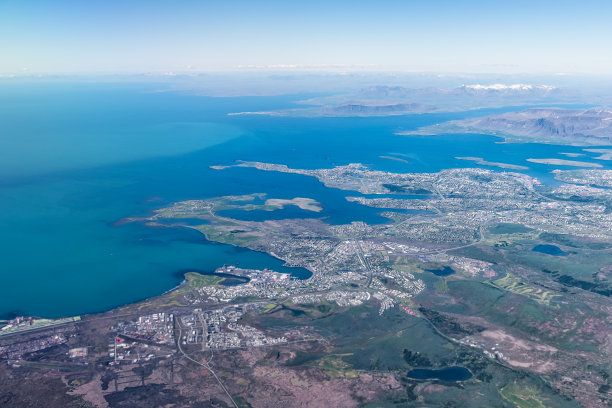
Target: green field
pixel 196 280
pixel 228 234
pixel 335 367
pixel 506 228
pixel 513 284
pixel 521 397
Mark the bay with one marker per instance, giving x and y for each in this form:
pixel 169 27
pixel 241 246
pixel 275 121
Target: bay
pixel 76 158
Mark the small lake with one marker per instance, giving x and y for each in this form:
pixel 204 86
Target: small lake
pixel 446 271
pixel 449 374
pixel 550 250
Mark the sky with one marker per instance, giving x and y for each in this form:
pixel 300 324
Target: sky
pixel 136 36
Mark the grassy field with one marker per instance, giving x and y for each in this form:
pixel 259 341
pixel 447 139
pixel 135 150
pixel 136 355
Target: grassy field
pixel 269 307
pixel 441 286
pixel 335 367
pixel 360 340
pixel 506 228
pixel 196 280
pixel 521 397
pixel 228 234
pixel 514 285
pixel 193 280
pixel 404 264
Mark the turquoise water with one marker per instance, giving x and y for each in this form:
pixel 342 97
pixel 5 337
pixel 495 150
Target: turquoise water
pixel 77 158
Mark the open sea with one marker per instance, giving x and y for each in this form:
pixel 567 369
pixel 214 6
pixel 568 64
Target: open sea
pixel 75 158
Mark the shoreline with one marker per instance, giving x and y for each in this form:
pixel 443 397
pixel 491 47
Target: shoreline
pixel 182 283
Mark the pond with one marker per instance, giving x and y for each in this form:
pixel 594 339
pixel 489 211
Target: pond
pixel 446 271
pixel 449 374
pixel 550 250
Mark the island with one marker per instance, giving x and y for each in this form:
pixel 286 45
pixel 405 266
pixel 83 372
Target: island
pixel 563 162
pixel 483 162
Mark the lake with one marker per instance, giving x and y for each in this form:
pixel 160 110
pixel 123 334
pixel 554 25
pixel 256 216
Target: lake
pixel 550 250
pixel 448 374
pixel 446 271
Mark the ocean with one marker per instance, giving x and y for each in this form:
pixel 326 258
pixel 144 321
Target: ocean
pixel 75 158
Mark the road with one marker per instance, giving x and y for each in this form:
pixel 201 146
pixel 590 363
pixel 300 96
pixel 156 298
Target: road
pixel 365 263
pixel 205 365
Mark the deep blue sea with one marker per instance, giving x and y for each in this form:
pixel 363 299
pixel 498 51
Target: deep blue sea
pixel 77 157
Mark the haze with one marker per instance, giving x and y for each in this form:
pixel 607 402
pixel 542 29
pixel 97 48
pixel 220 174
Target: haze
pixel 64 36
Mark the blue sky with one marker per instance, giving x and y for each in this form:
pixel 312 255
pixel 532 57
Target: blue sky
pixel 92 36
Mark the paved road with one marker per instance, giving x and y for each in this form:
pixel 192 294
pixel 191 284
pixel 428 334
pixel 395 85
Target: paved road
pixel 365 263
pixel 205 365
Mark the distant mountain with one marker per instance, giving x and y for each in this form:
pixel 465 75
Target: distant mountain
pixel 548 125
pixel 477 90
pixel 396 100
pixel 357 109
pixel 380 100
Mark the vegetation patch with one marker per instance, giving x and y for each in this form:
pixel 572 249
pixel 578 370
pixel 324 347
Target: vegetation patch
pixel 521 397
pixel 508 228
pixel 335 367
pixel 514 285
pixel 241 401
pixel 573 242
pixel 197 280
pixel 269 307
pixel 228 235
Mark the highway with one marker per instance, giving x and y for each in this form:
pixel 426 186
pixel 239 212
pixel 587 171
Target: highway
pixel 205 365
pixel 365 263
